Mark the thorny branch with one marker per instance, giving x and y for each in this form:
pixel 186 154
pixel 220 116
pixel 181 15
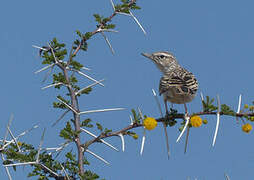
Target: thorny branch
pixel 101 26
pixel 162 119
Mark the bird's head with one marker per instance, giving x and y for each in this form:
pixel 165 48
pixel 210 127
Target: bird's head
pixel 165 61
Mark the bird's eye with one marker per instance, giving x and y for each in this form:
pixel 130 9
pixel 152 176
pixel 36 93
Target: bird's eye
pixel 162 56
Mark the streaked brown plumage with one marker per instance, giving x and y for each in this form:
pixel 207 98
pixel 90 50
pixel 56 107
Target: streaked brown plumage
pixel 177 85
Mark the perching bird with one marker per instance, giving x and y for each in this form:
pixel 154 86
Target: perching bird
pixel 177 85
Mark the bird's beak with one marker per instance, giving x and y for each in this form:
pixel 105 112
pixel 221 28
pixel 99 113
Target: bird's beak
pixel 147 55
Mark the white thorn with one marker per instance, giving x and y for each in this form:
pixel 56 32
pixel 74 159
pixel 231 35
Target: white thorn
pixel 122 140
pixel 187 118
pixel 68 106
pixel 136 20
pixel 88 77
pixel 227 177
pixel 239 107
pixel 143 142
pixel 14 139
pixel 113 5
pixel 98 157
pixel 140 113
pixel 39 47
pixel 61 117
pixel 52 51
pixel 131 120
pixel 164 125
pixel 218 121
pixel 52 85
pixel 201 96
pixel 157 101
pixel 39 148
pixel 101 110
pixel 6 168
pixel 121 13
pixel 52 172
pixel 22 134
pixel 108 43
pixel 8 126
pixel 19 164
pixel 239 103
pixel 66 174
pixel 107 30
pixel 85 68
pixel 103 141
pixel 91 85
pixel 44 68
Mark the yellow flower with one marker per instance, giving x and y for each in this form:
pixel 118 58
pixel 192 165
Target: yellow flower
pixel 252 118
pixel 246 106
pixel 150 123
pixel 196 121
pixel 251 108
pixel 205 121
pixel 135 136
pixel 247 127
pixel 20 143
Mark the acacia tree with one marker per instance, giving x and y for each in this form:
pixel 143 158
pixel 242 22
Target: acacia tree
pixel 66 79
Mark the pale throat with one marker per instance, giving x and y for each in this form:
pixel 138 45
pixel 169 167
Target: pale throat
pixel 169 68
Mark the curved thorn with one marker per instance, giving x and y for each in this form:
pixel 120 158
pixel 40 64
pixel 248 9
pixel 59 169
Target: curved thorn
pixel 122 140
pixel 143 142
pixel 187 118
pixel 218 121
pixel 239 106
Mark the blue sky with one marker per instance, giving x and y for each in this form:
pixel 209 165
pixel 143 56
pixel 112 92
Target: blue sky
pixel 212 39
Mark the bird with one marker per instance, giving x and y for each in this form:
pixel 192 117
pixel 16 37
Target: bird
pixel 177 85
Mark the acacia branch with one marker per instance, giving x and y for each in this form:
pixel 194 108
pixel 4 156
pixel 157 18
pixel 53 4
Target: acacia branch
pixel 161 119
pixel 101 26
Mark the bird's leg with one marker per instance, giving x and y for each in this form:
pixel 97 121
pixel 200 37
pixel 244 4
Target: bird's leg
pixel 166 107
pixel 185 108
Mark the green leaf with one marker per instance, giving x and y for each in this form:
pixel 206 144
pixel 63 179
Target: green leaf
pixel 88 35
pixel 98 18
pixel 67 133
pixel 86 91
pixel 99 126
pixel 78 33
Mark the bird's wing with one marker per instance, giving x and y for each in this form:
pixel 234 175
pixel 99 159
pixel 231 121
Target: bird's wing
pixel 181 80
